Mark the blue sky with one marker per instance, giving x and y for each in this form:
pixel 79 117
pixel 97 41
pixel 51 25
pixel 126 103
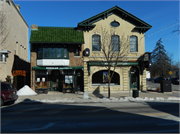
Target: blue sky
pixel 162 15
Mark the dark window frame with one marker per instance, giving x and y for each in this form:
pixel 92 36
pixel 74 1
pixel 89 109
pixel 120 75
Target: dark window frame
pixel 49 47
pixel 97 42
pixel 117 45
pixel 135 43
pixel 75 50
pixel 99 80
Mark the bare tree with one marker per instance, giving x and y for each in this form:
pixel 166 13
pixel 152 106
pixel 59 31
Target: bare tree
pixel 4 30
pixel 114 49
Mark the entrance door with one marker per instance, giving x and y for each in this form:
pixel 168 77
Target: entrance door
pixel 134 78
pixel 55 78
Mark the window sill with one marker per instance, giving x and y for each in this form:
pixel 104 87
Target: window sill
pixel 111 84
pixel 2 62
pixel 96 51
pixel 134 52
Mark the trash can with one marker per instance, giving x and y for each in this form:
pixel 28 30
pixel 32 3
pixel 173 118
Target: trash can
pixel 135 93
pixel 166 86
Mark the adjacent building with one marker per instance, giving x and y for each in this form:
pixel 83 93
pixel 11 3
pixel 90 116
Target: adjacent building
pixel 56 59
pixel 14 50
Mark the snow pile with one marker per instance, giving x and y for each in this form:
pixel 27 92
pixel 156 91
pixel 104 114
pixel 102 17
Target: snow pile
pixel 92 99
pixel 26 90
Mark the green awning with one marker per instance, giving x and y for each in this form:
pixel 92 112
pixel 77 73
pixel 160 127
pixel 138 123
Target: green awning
pixel 113 63
pixel 57 68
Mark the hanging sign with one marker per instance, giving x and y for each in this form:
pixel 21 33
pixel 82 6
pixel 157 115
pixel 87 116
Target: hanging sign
pixel 19 73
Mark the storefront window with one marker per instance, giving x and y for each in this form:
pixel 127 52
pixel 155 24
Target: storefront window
pixel 101 78
pixel 42 80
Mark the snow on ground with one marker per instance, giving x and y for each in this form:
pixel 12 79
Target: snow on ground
pixel 91 99
pixel 26 90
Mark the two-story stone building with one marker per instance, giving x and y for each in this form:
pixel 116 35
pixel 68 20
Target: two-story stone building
pixel 56 58
pixel 128 32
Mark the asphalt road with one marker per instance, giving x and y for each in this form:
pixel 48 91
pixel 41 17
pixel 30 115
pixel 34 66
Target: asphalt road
pixel 145 117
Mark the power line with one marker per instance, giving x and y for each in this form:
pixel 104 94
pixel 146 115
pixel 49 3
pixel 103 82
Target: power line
pixel 162 29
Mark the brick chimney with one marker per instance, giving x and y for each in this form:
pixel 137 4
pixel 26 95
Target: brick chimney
pixel 18 7
pixel 34 27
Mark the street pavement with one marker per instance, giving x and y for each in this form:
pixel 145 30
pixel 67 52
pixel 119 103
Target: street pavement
pixel 53 96
pixel 116 96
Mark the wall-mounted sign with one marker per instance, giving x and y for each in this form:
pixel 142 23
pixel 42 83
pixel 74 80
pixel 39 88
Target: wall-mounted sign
pixel 19 73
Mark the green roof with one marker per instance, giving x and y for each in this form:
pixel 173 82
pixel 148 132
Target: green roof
pixel 56 35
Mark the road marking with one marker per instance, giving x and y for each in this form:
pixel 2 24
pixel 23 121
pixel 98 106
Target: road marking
pixel 35 129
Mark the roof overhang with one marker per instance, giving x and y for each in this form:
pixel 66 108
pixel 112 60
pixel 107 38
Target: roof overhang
pixel 88 24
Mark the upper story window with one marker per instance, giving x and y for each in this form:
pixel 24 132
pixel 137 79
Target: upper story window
pixel 1 57
pixel 53 52
pixel 115 43
pixel 133 44
pixel 96 42
pixel 114 24
pixel 76 52
pixel 40 53
pixel 46 52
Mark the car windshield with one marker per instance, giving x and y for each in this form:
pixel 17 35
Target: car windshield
pixel 10 86
pixel 3 87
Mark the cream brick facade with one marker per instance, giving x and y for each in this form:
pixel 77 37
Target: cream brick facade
pixel 124 31
pixel 17 40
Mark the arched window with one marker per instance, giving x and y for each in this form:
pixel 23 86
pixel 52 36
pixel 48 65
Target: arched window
pixel 96 42
pixel 115 43
pixel 133 44
pixel 101 78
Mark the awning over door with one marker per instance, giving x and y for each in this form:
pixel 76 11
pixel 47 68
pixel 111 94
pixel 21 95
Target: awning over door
pixel 57 68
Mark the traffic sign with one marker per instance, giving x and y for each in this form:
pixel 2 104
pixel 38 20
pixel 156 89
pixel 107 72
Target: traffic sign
pixel 170 72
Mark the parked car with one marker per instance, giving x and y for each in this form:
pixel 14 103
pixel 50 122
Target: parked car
pixel 174 80
pixel 150 79
pixel 159 79
pixel 8 93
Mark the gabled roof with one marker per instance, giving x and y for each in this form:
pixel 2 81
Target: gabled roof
pixel 140 24
pixel 56 35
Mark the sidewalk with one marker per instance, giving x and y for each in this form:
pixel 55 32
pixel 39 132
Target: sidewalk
pixel 121 96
